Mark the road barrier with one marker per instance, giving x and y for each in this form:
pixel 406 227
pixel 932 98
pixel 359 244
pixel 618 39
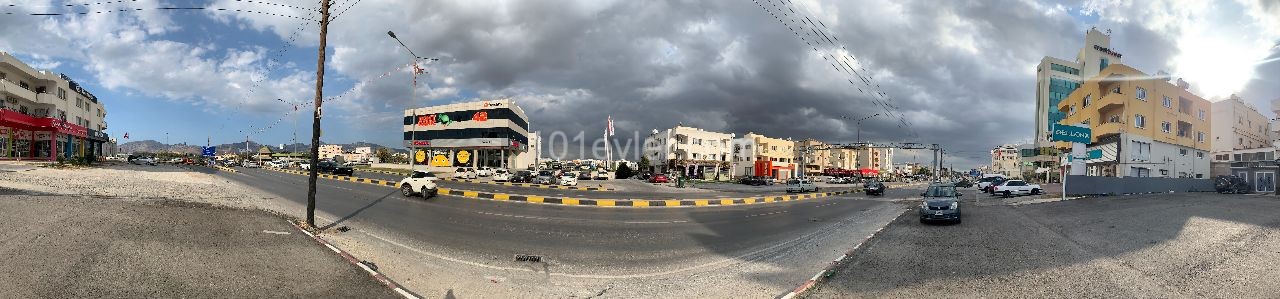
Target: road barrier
pixel 501 183
pixel 570 201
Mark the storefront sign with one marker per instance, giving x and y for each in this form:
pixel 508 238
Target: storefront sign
pixel 420 142
pixel 464 157
pixel 480 116
pixel 1070 133
pixel 419 156
pixel 97 135
pixel 441 159
pixel 1106 50
pixel 487 104
pixel 463 143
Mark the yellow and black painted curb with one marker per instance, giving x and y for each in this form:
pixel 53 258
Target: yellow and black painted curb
pixel 569 201
pixel 339 177
pixel 223 168
pixel 504 183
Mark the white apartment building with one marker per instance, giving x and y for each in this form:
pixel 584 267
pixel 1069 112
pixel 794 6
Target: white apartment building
pixel 45 115
pixel 691 151
pixel 758 155
pixel 329 151
pixel 878 159
pixel 1004 160
pixel 1236 125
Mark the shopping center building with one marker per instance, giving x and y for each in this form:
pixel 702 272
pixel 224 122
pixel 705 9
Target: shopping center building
pixel 45 115
pixel 493 133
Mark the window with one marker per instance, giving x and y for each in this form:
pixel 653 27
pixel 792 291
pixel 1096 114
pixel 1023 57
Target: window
pixel 1200 155
pixel 1141 151
pixel 1087 99
pixel 62 93
pixel 79 121
pixel 1167 102
pixel 1072 111
pixel 1103 64
pixel 1139 121
pixel 1114 119
pixel 1237 157
pixel 62 115
pixel 79 102
pixel 1166 127
pixel 1182 151
pixel 1240 141
pixel 1200 137
pixel 24 85
pixel 1141 93
pixel 1201 114
pixel 1086 121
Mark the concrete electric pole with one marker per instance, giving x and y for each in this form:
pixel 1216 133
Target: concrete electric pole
pixel 315 121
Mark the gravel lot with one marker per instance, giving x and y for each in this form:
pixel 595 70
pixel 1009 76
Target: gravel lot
pixel 1162 246
pixel 134 181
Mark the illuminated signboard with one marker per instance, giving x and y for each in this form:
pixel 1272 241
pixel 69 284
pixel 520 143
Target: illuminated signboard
pixel 1106 50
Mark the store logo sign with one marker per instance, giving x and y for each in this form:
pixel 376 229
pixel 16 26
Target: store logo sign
pixel 1106 50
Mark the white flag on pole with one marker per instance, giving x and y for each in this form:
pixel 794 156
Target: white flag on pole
pixel 610 129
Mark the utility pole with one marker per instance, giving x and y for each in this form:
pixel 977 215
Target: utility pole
pixel 315 121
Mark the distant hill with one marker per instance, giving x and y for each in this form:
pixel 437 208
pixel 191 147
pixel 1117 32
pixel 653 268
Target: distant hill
pixel 152 146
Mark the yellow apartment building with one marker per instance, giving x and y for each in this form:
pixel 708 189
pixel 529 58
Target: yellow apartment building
pixel 1143 125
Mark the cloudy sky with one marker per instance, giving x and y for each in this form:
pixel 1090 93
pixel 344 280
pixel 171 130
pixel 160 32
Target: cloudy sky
pixel 958 73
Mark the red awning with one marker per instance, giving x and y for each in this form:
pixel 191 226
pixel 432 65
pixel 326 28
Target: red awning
pixel 869 171
pixel 10 118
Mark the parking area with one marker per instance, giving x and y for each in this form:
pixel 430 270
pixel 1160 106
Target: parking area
pixel 1161 245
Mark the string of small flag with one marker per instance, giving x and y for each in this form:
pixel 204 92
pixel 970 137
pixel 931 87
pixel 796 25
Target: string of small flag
pixel 413 67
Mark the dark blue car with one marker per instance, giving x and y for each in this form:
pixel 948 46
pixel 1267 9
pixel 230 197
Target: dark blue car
pixel 941 203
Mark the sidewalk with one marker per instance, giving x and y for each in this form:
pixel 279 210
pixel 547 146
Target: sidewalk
pixel 64 246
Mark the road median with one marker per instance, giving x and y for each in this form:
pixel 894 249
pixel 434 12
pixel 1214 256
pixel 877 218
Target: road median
pixel 572 201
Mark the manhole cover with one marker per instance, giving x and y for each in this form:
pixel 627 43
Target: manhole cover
pixel 528 258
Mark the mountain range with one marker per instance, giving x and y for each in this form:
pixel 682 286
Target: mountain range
pixel 152 146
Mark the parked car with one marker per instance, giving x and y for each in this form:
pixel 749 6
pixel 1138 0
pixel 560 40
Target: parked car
pixel 585 175
pixel 986 183
pixel 874 188
pixel 464 173
pixel 544 177
pixel 144 161
pixel 659 178
pixel 567 179
pixel 334 168
pixel 1231 184
pixel 484 171
pixel 305 165
pixel 756 181
pixel 523 176
pixel 801 185
pixel 419 182
pixel 501 175
pixel 963 183
pixel 602 174
pixel 837 180
pixel 249 164
pixel 1015 187
pixel 941 202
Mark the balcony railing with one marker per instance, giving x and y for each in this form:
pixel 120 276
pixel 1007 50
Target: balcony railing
pixel 14 89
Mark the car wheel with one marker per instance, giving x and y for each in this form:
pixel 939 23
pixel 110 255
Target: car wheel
pixel 426 194
pixel 1035 191
pixel 957 220
pixel 406 190
pixel 1007 194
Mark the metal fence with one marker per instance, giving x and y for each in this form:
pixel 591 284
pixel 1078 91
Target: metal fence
pixel 1094 185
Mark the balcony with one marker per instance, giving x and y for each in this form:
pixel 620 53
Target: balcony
pixel 9 87
pixel 1107 129
pixel 46 98
pixel 1110 101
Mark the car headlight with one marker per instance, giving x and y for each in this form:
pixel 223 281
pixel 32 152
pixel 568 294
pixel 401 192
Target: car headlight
pixel 924 206
pixel 955 205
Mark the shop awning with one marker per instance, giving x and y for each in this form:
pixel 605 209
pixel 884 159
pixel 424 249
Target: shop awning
pixel 869 171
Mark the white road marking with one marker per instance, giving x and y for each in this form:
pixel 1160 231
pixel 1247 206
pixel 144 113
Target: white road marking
pixel 655 222
pixel 766 214
pixel 276 232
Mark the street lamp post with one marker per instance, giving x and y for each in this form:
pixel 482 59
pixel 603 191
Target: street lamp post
pixel 413 93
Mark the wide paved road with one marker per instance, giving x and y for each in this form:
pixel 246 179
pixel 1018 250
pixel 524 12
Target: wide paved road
pixel 756 250
pixel 1182 245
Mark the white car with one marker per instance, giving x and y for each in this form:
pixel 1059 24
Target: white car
pixel 804 185
pixel 249 164
pixel 568 179
pixel 144 161
pixel 305 165
pixel 1016 187
pixel 602 175
pixel 421 183
pixel 501 175
pixel 464 173
pixel 484 171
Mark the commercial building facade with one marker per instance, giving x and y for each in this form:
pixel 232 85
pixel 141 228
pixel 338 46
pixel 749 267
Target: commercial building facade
pixel 46 115
pixel 1143 126
pixel 1055 79
pixel 759 155
pixel 690 151
pixel 1005 160
pixel 492 133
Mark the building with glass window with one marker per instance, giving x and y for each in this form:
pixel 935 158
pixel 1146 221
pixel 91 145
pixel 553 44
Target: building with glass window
pixel 492 133
pixel 1143 125
pixel 46 116
pixel 689 151
pixel 1238 125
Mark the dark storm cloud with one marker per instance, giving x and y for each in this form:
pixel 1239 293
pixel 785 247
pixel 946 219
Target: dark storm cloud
pixel 729 66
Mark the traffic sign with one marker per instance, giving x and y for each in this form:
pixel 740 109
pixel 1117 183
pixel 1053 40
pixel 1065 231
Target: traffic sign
pixel 1070 133
pixel 209 151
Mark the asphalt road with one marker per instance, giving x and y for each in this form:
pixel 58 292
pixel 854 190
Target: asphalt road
pixel 79 247
pixel 611 244
pixel 1149 246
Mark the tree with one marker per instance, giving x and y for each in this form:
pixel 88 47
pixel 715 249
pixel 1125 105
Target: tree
pixel 923 171
pixel 623 171
pixel 384 155
pixel 643 165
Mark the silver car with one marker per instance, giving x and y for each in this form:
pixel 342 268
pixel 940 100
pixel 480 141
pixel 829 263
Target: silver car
pixel 941 202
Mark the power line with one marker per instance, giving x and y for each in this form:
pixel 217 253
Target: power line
pixel 159 8
pixel 335 17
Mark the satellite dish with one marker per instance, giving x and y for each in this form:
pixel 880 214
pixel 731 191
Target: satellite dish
pixel 655 131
